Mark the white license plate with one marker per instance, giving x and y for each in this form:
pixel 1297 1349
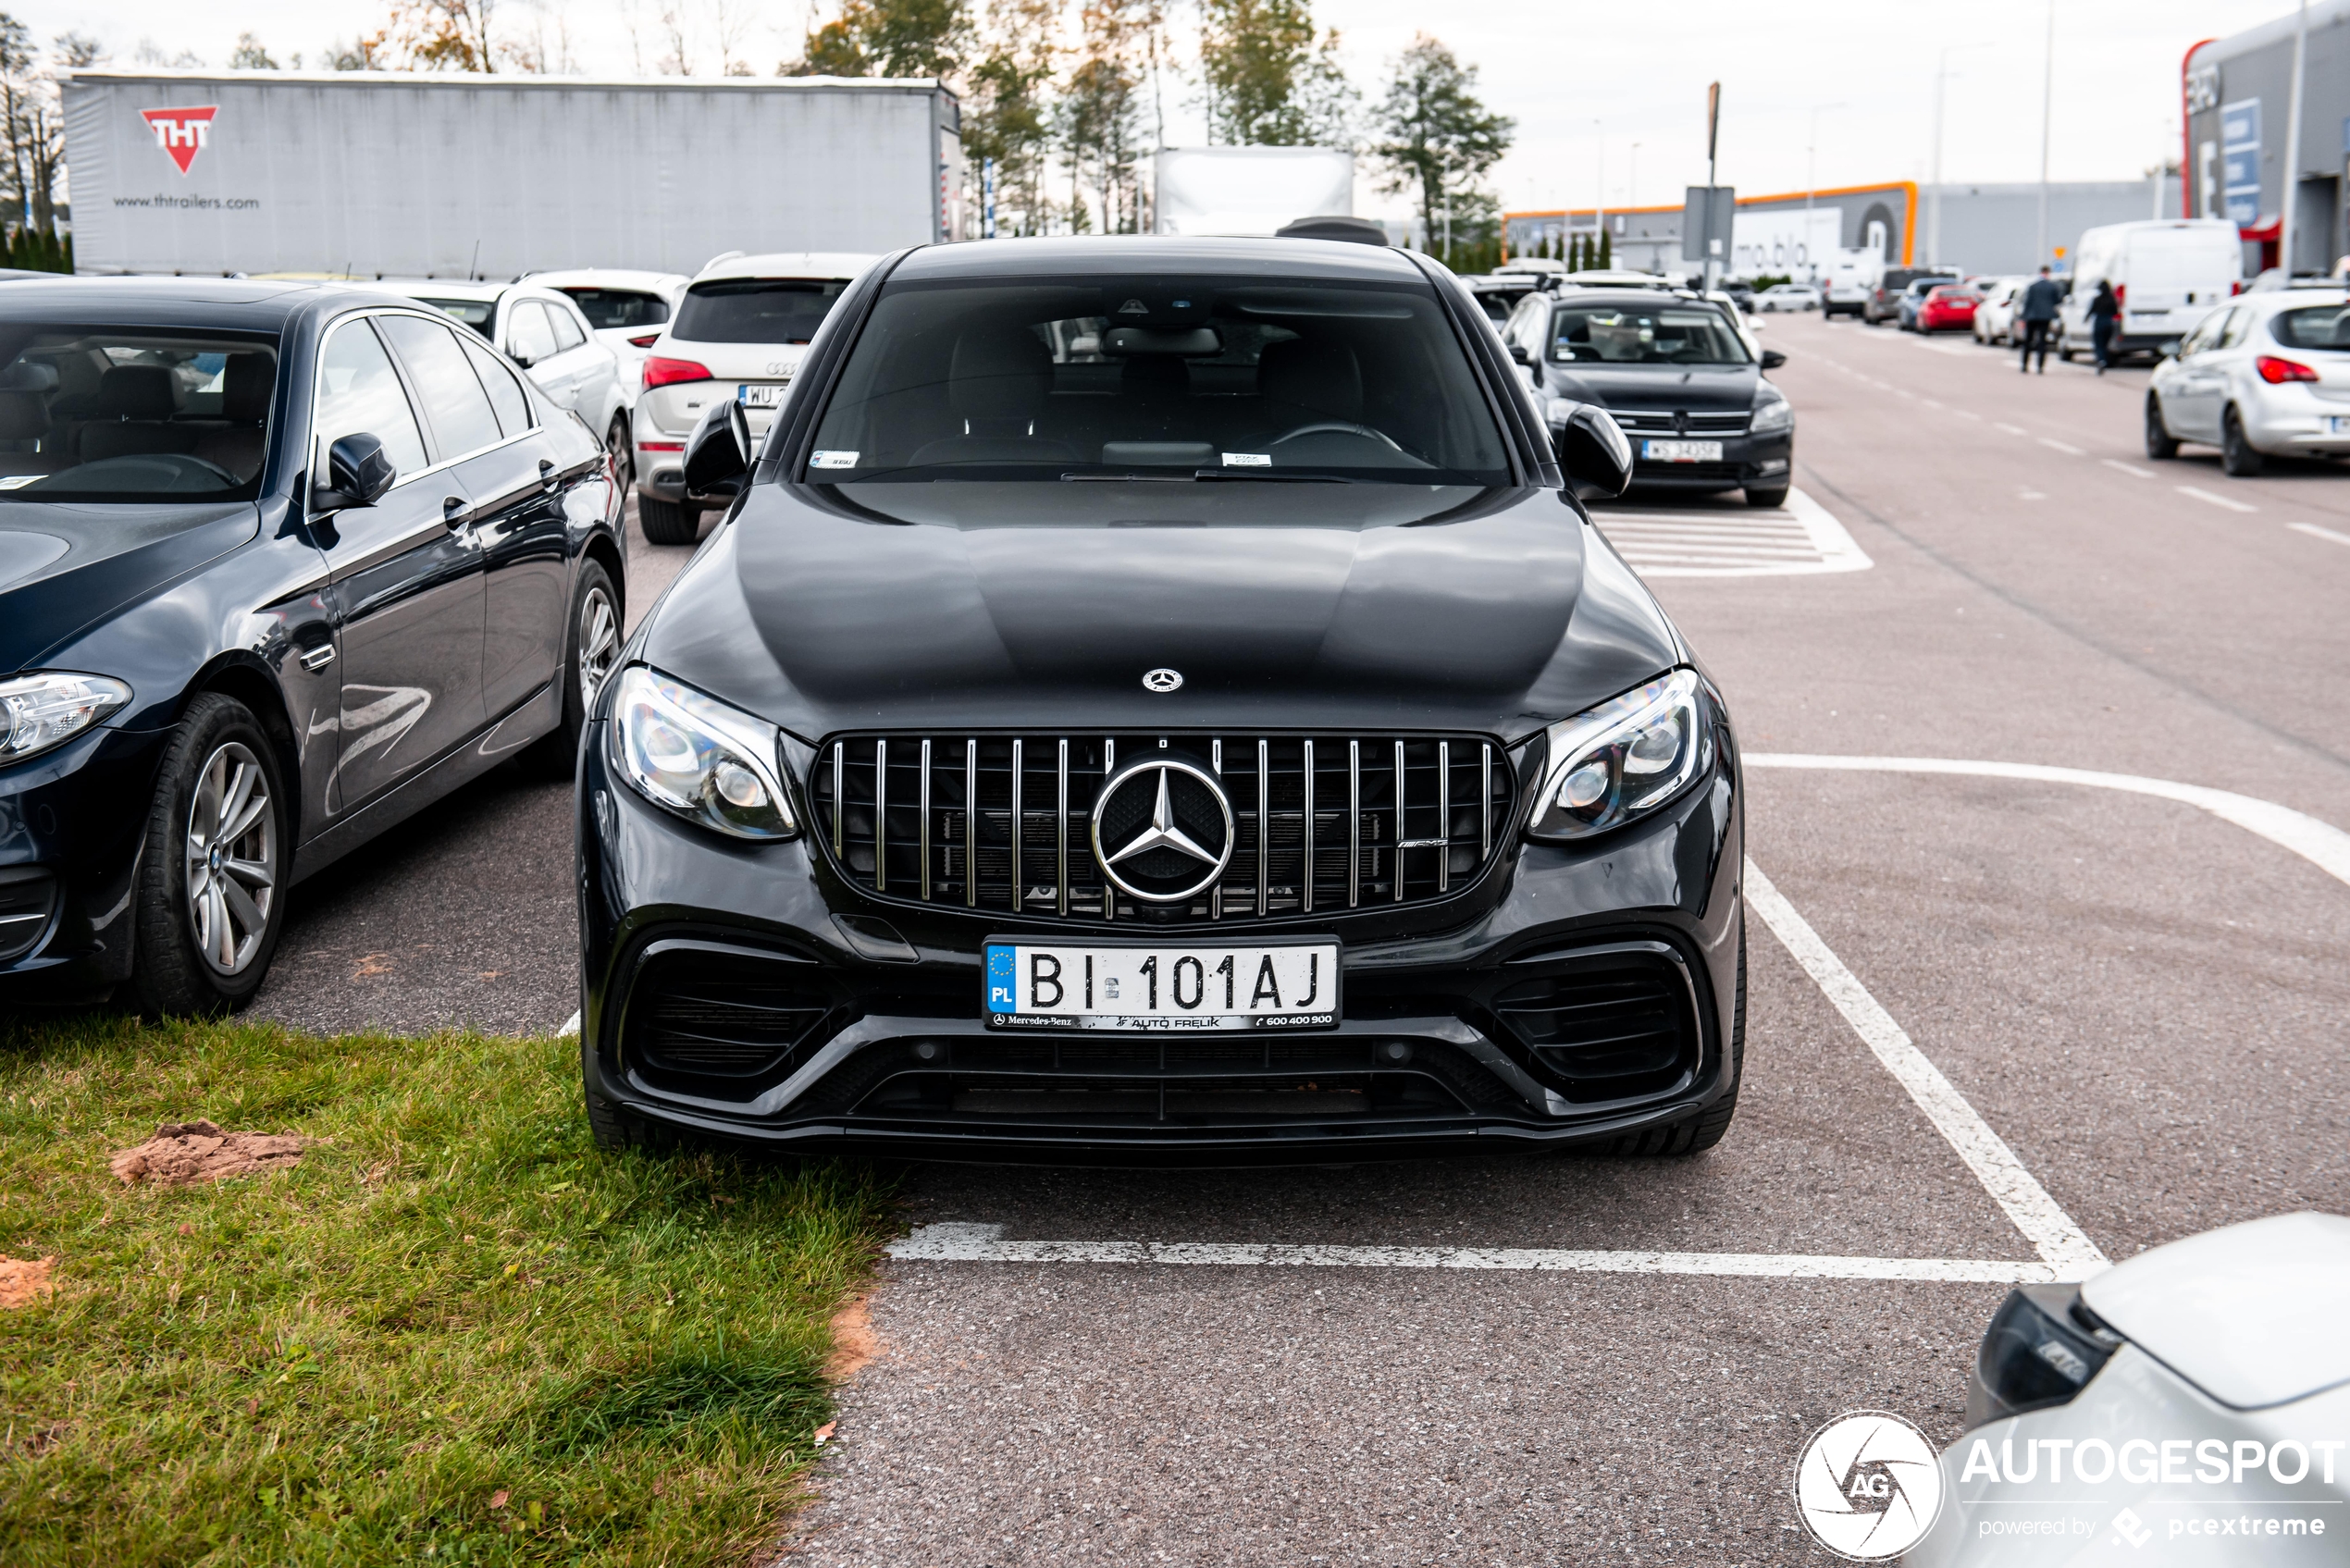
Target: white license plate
pixel 1150 987
pixel 1681 452
pixel 761 396
pixel 2338 423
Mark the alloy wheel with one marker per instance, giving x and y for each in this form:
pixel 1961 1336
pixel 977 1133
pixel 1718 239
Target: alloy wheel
pixel 231 859
pixel 598 644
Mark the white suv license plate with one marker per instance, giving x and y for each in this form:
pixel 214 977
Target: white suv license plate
pixel 1681 452
pixel 1141 986
pixel 2338 423
pixel 761 396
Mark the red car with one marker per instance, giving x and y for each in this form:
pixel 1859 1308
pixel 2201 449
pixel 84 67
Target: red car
pixel 1948 308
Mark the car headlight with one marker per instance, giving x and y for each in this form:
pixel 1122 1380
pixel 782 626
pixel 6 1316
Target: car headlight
pixel 51 709
pixel 693 754
pixel 2041 1350
pixel 1772 416
pixel 1622 759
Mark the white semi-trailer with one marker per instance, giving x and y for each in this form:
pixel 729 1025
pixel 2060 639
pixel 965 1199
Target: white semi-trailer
pixel 446 175
pixel 1236 190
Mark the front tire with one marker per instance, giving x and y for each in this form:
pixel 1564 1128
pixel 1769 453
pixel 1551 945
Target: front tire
pixel 213 872
pixel 2161 446
pixel 624 453
pixel 591 647
pixel 2237 454
pixel 667 522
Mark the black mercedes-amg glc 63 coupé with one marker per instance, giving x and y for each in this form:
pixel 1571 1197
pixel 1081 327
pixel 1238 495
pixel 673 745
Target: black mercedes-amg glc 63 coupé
pixel 1160 699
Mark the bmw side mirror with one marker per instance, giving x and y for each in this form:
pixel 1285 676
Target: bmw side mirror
pixel 358 472
pixel 718 453
pixel 1772 359
pixel 1593 454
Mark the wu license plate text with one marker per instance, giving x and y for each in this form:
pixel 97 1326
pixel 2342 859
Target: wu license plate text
pixel 1291 986
pixel 761 396
pixel 1681 452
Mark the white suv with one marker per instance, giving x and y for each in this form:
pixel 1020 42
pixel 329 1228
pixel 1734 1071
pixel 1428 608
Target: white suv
pixel 543 332
pixel 739 333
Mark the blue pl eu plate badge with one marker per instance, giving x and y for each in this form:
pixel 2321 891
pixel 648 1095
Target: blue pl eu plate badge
pixel 1003 980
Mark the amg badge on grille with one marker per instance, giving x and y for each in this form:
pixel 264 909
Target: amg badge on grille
pixel 1162 680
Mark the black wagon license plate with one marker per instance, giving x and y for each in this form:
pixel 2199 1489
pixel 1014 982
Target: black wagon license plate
pixel 1146 985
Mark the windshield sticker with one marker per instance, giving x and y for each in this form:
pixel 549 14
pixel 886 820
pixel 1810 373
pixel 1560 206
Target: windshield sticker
pixel 18 481
pixel 1248 459
pixel 833 460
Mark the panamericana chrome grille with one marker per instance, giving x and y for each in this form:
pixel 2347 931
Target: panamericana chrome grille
pixel 945 819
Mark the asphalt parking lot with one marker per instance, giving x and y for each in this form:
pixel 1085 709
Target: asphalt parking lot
pixel 2137 1000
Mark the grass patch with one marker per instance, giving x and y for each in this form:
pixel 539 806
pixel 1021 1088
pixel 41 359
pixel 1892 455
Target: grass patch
pixel 453 1333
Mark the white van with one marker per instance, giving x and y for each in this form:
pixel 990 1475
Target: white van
pixel 2169 275
pixel 1849 279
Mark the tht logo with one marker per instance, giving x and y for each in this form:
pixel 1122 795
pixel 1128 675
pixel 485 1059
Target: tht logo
pixel 181 132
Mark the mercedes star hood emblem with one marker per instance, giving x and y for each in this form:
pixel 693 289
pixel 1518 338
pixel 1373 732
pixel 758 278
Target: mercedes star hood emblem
pixel 1162 680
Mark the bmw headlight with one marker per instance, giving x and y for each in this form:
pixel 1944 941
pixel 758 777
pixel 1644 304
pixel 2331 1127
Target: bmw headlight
pixel 48 709
pixel 692 754
pixel 1623 758
pixel 1773 413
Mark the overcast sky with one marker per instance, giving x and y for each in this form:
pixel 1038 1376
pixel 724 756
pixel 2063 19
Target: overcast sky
pixel 1583 80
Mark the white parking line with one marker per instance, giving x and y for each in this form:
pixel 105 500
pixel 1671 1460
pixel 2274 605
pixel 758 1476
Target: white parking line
pixel 2312 528
pixel 2010 429
pixel 1801 540
pixel 2215 501
pixel 958 1242
pixel 2322 843
pixel 2131 469
pixel 571 1026
pixel 2060 1243
pixel 2055 445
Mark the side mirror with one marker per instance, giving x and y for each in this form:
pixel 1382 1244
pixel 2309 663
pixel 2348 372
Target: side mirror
pixel 1772 359
pixel 1593 454
pixel 2170 350
pixel 1517 352
pixel 718 453
pixel 357 474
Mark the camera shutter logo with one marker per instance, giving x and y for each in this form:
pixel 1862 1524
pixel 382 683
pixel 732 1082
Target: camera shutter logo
pixel 181 133
pixel 1868 1486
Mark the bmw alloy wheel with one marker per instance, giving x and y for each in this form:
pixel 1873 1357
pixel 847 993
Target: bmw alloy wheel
pixel 598 644
pixel 232 858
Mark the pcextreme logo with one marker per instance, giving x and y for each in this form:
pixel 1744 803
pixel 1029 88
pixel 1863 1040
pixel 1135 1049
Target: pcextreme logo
pixel 181 133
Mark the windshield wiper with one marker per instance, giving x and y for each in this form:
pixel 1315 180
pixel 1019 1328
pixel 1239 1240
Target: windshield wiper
pixel 1256 475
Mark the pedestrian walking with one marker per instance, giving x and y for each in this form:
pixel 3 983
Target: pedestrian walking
pixel 2105 316
pixel 2038 316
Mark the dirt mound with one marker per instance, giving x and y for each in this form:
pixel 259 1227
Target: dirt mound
pixel 184 1153
pixel 854 1341
pixel 25 1281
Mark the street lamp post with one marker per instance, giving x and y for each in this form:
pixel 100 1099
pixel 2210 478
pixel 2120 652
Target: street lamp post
pixel 2292 142
pixel 2048 104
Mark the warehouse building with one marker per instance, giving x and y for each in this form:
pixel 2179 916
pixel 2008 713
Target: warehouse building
pixel 2238 97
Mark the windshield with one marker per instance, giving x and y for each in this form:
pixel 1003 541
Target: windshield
pixel 1162 377
pixel 755 310
pixel 1654 335
pixel 2325 327
pixel 132 415
pixel 475 313
pixel 607 308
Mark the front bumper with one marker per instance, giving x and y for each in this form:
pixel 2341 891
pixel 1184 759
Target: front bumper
pixel 71 824
pixel 1761 461
pixel 748 993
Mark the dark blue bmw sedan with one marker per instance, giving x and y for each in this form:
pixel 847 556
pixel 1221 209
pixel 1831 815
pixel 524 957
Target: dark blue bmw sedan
pixel 281 564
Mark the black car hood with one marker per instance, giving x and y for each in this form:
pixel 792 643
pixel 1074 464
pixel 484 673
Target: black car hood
pixel 1043 605
pixel 1656 386
pixel 66 565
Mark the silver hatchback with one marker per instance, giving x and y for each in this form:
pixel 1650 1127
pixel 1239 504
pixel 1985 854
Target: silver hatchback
pixel 2266 376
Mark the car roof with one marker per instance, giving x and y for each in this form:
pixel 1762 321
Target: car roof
pixel 788 263
pixel 1126 254
pixel 264 305
pixel 608 277
pixel 1631 298
pixel 446 288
